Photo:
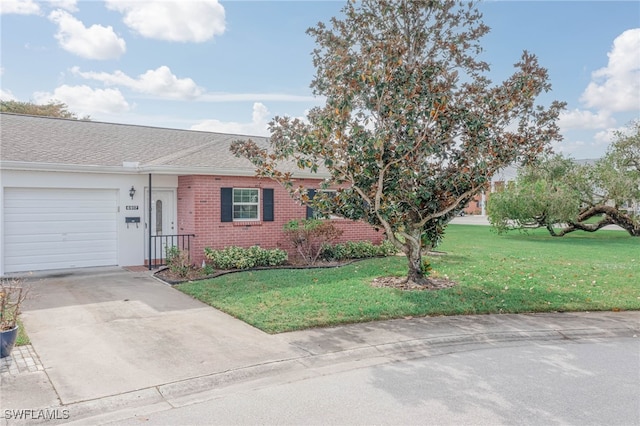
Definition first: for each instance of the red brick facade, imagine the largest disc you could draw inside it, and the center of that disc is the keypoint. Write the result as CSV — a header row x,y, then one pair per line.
x,y
199,213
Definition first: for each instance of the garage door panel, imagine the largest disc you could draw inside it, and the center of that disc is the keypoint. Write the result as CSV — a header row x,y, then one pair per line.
x,y
18,217
67,247
43,264
52,257
60,194
16,240
60,205
59,228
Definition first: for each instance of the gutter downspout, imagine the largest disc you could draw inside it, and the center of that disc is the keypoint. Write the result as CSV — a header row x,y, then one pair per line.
x,y
149,222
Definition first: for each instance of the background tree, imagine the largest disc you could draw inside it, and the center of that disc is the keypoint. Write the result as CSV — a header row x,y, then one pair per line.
x,y
562,196
412,128
52,109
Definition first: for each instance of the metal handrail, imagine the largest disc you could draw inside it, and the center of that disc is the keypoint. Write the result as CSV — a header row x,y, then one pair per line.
x,y
182,241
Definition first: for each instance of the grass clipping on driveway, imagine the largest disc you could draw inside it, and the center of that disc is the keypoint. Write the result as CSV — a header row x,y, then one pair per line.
x,y
495,274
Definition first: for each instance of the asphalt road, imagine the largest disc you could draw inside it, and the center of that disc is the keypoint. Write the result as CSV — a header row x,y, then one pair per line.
x,y
587,382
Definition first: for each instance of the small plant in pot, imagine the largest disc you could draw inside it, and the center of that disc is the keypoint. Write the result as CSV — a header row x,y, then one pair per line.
x,y
12,294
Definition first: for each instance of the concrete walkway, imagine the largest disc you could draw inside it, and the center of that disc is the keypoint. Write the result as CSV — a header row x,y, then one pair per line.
x,y
114,343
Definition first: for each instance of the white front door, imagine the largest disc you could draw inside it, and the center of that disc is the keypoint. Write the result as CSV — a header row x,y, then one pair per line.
x,y
162,221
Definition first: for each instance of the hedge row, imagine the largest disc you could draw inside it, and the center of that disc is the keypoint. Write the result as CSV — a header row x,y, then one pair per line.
x,y
356,250
241,258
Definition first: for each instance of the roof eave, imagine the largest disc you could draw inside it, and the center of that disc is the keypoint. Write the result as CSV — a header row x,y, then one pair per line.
x,y
214,171
164,170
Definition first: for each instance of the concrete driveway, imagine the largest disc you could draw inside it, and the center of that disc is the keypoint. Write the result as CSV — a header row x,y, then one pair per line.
x,y
110,344
107,331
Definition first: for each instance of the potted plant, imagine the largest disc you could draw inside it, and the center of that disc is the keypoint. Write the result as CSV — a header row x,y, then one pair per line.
x,y
12,294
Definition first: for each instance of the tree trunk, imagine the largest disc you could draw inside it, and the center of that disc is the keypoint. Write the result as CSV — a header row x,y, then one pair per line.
x,y
613,216
413,251
415,268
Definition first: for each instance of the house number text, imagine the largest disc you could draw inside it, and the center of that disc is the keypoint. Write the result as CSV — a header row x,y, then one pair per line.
x,y
131,207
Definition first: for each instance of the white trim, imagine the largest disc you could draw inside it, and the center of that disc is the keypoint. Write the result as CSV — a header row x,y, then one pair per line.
x,y
257,204
163,170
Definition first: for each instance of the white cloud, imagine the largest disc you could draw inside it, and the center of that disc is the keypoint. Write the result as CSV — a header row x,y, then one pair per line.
x,y
616,87
257,126
84,100
69,5
590,145
159,82
6,95
19,7
95,42
582,119
184,21
275,97
607,136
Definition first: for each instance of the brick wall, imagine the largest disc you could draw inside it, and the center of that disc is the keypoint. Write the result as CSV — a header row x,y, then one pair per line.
x,y
199,213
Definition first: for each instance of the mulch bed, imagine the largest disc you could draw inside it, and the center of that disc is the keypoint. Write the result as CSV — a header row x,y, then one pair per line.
x,y
399,283
196,273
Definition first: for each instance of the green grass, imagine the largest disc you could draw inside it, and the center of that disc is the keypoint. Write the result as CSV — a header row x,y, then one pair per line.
x,y
495,274
22,338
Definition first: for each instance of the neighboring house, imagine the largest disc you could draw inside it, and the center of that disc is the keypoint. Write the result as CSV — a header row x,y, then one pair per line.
x,y
478,205
77,194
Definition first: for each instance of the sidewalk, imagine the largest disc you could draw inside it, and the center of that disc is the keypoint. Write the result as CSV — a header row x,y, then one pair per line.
x,y
311,353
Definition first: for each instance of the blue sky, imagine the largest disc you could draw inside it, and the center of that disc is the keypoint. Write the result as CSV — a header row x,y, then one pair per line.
x,y
231,66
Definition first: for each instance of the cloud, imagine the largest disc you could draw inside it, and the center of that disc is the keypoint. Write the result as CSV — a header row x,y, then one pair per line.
x,y
84,100
607,136
242,97
616,87
95,42
69,5
159,82
163,83
6,95
19,7
257,126
183,21
582,119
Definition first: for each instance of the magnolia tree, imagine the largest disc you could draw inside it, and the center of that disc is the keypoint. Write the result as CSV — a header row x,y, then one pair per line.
x,y
52,109
412,128
563,196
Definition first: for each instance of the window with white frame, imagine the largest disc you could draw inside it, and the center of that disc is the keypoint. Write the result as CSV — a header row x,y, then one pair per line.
x,y
246,202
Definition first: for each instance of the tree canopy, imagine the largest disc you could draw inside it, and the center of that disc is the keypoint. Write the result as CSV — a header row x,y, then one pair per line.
x,y
412,127
51,109
563,196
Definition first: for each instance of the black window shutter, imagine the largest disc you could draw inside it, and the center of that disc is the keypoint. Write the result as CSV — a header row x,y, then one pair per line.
x,y
267,205
311,193
226,204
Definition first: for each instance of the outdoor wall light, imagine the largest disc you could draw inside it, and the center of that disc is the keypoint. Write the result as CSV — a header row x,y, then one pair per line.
x,y
132,192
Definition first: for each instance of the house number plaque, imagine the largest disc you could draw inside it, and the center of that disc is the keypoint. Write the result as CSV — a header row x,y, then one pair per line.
x,y
131,207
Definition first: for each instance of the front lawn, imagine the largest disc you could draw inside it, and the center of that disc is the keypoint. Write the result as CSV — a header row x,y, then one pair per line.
x,y
495,274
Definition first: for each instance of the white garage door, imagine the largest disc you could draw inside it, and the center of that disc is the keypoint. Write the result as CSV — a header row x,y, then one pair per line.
x,y
59,228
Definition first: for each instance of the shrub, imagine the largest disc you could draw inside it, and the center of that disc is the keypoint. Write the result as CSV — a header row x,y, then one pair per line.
x,y
208,269
357,250
309,236
241,258
387,249
12,295
178,261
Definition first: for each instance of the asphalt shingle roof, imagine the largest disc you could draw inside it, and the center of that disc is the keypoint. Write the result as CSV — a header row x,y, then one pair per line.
x,y
45,140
